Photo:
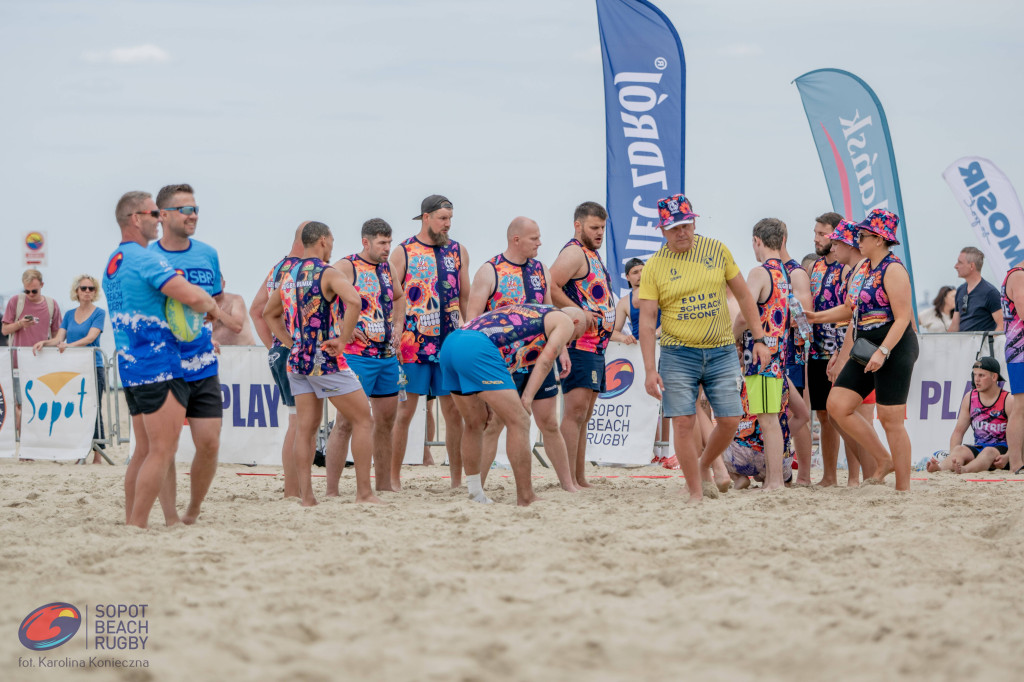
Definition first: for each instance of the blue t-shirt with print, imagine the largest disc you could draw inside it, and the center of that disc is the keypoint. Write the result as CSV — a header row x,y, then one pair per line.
x,y
77,332
147,351
200,266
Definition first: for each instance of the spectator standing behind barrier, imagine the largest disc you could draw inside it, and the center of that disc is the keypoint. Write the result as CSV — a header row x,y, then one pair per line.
x,y
1012,300
880,297
138,282
82,327
686,280
977,302
277,356
937,318
28,319
234,309
433,270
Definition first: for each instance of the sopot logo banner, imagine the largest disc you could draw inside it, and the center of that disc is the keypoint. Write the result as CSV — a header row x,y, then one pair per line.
x,y
7,443
645,119
58,402
855,150
622,425
992,208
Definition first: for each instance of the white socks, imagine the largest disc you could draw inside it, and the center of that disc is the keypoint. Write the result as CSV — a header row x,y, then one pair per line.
x,y
476,491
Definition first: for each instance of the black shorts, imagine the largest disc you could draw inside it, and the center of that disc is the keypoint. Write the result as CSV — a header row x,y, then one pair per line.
x,y
587,371
1002,449
204,399
818,383
891,383
148,398
548,388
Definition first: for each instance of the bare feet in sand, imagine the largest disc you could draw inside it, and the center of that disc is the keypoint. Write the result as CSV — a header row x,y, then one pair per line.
x,y
932,466
881,472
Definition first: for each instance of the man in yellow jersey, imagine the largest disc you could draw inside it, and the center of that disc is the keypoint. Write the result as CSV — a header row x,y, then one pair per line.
x,y
686,280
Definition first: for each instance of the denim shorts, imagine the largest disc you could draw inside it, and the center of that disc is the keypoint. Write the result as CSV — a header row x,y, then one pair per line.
x,y
683,370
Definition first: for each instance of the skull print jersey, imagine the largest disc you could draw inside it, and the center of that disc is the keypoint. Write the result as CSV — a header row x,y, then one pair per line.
x,y
517,283
373,282
311,319
517,331
432,298
775,322
827,292
593,293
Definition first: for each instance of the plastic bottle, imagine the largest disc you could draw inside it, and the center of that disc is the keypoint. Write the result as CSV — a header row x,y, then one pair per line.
x,y
403,381
797,311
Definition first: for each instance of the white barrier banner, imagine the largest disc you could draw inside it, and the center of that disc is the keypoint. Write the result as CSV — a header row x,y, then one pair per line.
x,y
621,428
942,375
58,403
992,207
7,441
255,419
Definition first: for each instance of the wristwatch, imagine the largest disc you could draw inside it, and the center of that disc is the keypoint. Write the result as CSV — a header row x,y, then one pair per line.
x,y
761,340
885,351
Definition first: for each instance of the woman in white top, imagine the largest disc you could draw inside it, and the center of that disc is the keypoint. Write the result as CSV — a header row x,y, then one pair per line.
x,y
937,318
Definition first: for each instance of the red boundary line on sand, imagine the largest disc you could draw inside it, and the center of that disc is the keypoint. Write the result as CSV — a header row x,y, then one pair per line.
x,y
662,477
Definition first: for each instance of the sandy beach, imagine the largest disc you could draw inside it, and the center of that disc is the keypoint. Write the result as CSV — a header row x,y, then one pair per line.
x,y
619,582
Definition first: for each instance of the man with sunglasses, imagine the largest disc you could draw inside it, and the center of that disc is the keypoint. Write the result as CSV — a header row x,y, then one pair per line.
x,y
28,319
199,264
978,305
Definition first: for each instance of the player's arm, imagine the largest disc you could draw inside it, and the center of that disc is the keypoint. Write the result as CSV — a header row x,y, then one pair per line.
x,y
334,282
273,317
558,328
259,304
621,313
963,420
548,287
748,308
997,315
189,294
840,313
801,284
348,273
484,282
756,282
570,263
464,285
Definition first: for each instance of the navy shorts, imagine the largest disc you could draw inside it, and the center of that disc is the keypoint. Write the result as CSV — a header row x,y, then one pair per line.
x,y
548,389
587,371
277,358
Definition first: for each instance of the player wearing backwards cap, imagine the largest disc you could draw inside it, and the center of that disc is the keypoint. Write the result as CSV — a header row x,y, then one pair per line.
x,y
433,271
199,264
687,280
515,276
478,362
581,281
277,356
305,317
1012,298
137,283
769,286
371,353
986,409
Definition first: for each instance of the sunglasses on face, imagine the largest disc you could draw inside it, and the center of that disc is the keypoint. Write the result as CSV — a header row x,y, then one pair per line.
x,y
32,292
153,214
86,288
184,210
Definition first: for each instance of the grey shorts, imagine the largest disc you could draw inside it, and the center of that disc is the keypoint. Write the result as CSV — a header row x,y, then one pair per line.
x,y
325,385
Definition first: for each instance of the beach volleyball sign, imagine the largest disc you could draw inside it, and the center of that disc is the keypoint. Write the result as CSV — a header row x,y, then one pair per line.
x,y
58,403
34,251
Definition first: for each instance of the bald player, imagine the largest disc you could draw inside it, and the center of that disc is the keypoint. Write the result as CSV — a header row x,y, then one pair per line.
x,y
516,277
277,355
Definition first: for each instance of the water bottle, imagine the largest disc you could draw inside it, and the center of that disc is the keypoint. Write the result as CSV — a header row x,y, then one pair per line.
x,y
797,311
403,381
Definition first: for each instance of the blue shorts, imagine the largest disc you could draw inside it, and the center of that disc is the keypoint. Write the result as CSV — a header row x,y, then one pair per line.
x,y
683,370
379,376
1015,373
548,389
424,378
470,363
796,375
587,371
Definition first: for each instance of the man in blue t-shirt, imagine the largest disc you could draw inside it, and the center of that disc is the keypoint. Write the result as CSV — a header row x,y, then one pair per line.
x,y
137,283
978,304
199,264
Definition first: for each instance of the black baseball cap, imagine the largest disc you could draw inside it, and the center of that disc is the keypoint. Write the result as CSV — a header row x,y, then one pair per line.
x,y
989,364
435,202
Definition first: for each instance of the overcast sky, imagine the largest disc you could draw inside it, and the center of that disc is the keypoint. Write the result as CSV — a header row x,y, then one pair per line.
x,y
341,111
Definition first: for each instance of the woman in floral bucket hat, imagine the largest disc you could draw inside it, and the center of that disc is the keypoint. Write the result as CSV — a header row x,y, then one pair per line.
x,y
880,299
